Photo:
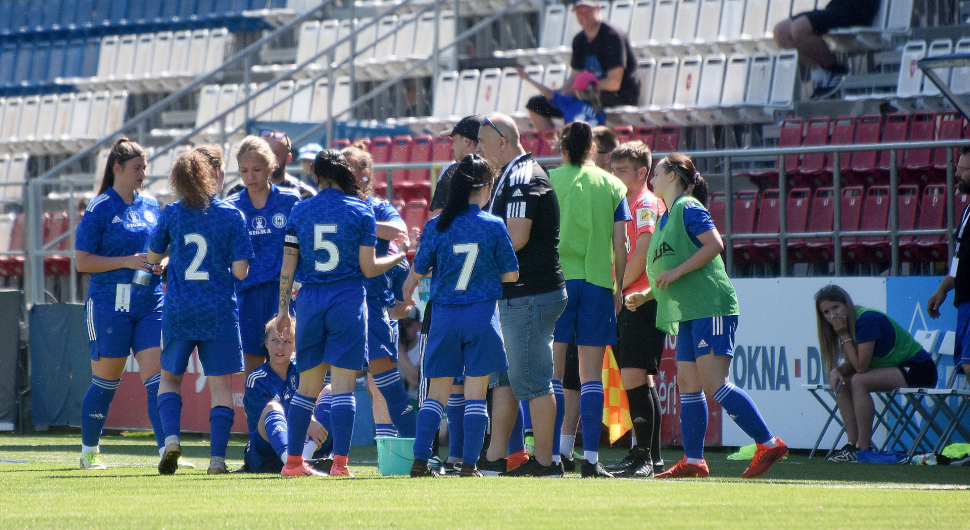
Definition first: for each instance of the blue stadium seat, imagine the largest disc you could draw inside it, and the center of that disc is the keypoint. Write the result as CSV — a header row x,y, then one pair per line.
x,y
51,17
68,14
55,65
73,58
19,18
187,10
92,50
118,12
136,11
8,57
38,63
21,69
6,17
170,11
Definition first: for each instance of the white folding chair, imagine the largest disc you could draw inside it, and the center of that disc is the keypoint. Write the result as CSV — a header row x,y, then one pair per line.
x,y
910,76
784,80
445,92
508,96
949,404
688,81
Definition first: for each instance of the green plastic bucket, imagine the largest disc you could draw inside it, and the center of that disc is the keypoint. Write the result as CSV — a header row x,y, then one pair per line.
x,y
395,455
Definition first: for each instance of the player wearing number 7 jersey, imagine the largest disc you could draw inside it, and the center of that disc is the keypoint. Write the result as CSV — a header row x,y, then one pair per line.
x,y
330,247
471,254
208,245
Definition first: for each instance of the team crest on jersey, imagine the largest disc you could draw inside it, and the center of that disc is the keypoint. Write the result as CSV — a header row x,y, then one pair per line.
x,y
259,226
134,220
133,216
279,220
149,216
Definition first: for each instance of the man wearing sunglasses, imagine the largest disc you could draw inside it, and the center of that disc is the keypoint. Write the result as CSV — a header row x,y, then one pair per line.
x,y
524,198
282,147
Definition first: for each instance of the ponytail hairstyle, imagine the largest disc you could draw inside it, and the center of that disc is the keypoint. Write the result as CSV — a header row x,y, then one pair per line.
x,y
360,158
121,152
591,96
472,172
193,180
691,181
577,140
213,155
828,339
331,166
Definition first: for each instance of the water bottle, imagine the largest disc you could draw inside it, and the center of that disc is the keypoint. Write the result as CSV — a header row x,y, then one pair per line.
x,y
928,459
142,277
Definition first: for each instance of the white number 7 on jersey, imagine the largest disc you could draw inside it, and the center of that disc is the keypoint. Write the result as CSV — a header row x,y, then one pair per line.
x,y
471,254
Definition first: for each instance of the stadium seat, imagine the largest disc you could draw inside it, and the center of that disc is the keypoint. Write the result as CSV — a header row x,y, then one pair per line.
x,y
549,144
960,76
663,22
508,96
646,72
553,26
621,16
13,266
910,82
685,23
796,220
624,133
421,150
488,91
340,143
441,152
555,76
717,209
864,163
872,249
951,128
380,151
688,80
526,90
744,219
737,71
896,130
28,119
907,210
445,94
55,226
647,135
758,92
813,164
400,154
302,101
916,164
665,83
932,216
732,20
708,21
4,171
531,141
938,47
7,221
817,249
843,133
853,199
784,79
16,178
667,140
765,250
467,93
415,214
643,11
791,136
711,81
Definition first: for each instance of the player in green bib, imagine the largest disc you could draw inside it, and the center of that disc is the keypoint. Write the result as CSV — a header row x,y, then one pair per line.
x,y
696,302
876,354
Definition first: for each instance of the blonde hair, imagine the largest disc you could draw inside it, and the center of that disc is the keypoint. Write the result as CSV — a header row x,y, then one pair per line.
x,y
828,339
358,156
258,146
270,327
193,180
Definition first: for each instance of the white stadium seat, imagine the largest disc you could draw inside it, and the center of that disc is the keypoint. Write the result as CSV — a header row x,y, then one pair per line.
x,y
643,14
709,20
910,76
489,85
467,93
737,73
108,57
662,23
755,19
555,76
759,80
282,107
125,62
444,95
960,78
526,90
621,15
508,96
302,102
685,23
646,72
732,21
938,47
665,84
28,118
712,81
784,79
688,80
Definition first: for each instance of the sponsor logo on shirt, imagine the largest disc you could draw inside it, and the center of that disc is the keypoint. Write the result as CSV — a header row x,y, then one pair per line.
x,y
116,220
646,217
663,250
516,193
134,220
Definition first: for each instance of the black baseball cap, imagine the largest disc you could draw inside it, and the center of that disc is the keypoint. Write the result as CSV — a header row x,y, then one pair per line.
x,y
468,127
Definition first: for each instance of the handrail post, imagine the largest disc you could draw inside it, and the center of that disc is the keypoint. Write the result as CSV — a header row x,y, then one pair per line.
x,y
837,224
893,214
728,216
783,225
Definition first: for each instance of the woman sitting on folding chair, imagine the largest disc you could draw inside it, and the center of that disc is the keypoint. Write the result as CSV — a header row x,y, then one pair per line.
x,y
865,351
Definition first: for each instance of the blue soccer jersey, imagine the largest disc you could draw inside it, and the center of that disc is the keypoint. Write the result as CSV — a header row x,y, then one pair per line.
x,y
468,259
329,229
200,303
112,228
267,228
395,282
263,386
383,212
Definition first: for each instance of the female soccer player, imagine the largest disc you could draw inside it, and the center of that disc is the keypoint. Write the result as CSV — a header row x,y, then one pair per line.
x,y
592,230
207,244
269,389
876,354
471,254
266,207
330,242
696,302
122,316
381,328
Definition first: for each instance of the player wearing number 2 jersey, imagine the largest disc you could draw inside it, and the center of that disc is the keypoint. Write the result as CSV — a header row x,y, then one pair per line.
x,y
207,244
330,247
471,254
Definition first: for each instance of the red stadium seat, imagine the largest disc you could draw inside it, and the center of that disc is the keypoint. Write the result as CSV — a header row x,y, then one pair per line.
x,y
766,250
869,249
401,154
932,215
896,131
791,136
813,164
646,135
624,133
908,208
951,128
717,210
421,152
380,150
668,139
864,163
415,214
14,265
843,133
441,152
818,249
531,141
796,220
743,222
917,164
55,226
340,143
549,146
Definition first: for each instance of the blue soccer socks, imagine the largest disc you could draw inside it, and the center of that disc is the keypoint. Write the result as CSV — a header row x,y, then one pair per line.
x,y
456,426
342,413
693,423
94,409
398,402
429,418
591,414
170,412
297,422
744,412
476,420
151,389
276,432
220,425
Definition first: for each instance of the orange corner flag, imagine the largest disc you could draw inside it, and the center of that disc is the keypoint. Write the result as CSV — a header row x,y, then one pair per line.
x,y
616,407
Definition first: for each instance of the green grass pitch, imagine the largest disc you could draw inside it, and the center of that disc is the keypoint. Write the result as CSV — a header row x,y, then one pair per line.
x,y
42,486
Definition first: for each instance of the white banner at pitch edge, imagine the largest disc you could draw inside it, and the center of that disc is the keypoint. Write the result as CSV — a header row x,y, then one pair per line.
x,y
776,352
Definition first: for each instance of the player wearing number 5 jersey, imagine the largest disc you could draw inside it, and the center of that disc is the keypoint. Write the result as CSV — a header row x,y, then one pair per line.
x,y
208,245
330,247
471,254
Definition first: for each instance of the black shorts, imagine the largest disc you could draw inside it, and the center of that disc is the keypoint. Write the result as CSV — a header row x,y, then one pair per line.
x,y
639,344
842,14
919,374
570,380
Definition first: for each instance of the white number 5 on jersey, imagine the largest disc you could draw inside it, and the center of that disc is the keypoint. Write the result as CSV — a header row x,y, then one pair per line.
x,y
319,243
470,250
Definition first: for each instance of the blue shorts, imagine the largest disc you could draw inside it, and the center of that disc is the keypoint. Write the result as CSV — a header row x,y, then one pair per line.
x,y
465,340
381,333
218,357
260,457
333,325
115,334
257,306
699,337
589,318
961,348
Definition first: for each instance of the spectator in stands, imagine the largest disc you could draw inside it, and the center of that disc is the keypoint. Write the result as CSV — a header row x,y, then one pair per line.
x,y
865,351
281,146
604,139
696,302
606,53
266,208
958,277
524,198
804,31
583,105
639,344
122,316
594,212
306,155
384,300
208,245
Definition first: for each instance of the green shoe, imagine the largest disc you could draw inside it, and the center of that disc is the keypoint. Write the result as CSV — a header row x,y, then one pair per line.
x,y
530,444
188,464
92,461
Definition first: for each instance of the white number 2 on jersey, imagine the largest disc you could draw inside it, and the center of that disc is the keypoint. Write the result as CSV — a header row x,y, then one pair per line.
x,y
201,248
319,243
470,250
